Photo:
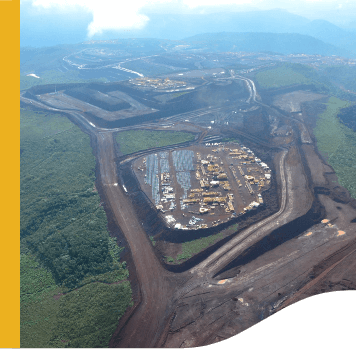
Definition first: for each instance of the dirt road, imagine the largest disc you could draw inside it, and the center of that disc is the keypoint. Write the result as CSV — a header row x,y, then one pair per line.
x,y
248,237
152,277
200,305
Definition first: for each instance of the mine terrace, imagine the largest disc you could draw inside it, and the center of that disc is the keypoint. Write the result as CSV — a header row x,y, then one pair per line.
x,y
230,223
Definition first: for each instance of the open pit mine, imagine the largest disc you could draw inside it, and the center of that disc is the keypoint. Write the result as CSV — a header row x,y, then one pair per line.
x,y
223,230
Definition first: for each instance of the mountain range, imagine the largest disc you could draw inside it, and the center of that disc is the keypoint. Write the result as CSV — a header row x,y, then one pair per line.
x,y
178,26
181,26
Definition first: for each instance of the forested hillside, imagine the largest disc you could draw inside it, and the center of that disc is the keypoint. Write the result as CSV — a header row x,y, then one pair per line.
x,y
67,255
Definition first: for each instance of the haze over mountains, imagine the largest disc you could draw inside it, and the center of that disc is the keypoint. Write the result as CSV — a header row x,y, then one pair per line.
x,y
316,36
273,21
266,42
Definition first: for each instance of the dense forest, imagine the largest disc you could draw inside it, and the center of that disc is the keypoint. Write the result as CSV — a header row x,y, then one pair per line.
x,y
65,245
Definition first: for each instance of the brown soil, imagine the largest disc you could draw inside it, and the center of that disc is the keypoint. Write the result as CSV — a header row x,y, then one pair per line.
x,y
280,259
241,195
291,102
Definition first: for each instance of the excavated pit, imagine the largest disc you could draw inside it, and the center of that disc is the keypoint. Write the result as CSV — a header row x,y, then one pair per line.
x,y
154,224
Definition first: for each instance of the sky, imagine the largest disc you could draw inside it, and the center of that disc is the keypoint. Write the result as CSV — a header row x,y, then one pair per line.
x,y
79,19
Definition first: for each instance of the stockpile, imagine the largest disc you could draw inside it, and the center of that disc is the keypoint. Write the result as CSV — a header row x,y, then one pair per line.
x,y
183,178
183,160
164,164
152,176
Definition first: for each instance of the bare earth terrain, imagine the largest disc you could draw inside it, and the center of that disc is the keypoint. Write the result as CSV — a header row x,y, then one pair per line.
x,y
305,247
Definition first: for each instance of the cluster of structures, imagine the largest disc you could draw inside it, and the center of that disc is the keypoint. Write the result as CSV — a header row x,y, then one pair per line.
x,y
157,83
205,185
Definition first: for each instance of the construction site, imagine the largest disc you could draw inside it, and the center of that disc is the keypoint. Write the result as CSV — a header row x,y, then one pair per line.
x,y
243,242
160,84
204,185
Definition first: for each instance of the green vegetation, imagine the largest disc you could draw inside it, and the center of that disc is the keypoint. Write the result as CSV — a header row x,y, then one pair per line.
x,y
343,75
339,143
88,317
288,74
136,140
85,317
62,220
65,246
230,139
191,248
165,97
34,279
153,240
233,227
53,77
38,307
281,76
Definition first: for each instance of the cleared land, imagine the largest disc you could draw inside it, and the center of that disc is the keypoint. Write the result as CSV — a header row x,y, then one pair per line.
x,y
54,77
148,68
261,266
63,101
203,186
136,140
291,102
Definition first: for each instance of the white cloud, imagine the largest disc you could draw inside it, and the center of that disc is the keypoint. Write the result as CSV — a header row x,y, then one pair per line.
x,y
129,14
198,3
107,14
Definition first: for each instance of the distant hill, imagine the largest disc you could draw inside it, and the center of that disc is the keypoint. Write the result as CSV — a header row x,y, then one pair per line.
x,y
329,33
265,42
56,30
179,26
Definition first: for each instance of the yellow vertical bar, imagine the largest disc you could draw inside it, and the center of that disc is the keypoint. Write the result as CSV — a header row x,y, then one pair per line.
x,y
10,174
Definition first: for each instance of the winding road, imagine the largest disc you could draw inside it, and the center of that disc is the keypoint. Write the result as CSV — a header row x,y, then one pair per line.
x,y
159,290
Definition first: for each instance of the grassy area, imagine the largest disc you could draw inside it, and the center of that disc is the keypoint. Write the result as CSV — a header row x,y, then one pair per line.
x,y
281,76
233,227
170,259
53,77
169,96
65,246
230,139
191,248
136,140
339,143
291,74
343,75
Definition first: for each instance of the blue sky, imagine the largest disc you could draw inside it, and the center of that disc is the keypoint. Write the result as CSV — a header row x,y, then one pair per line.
x,y
47,22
